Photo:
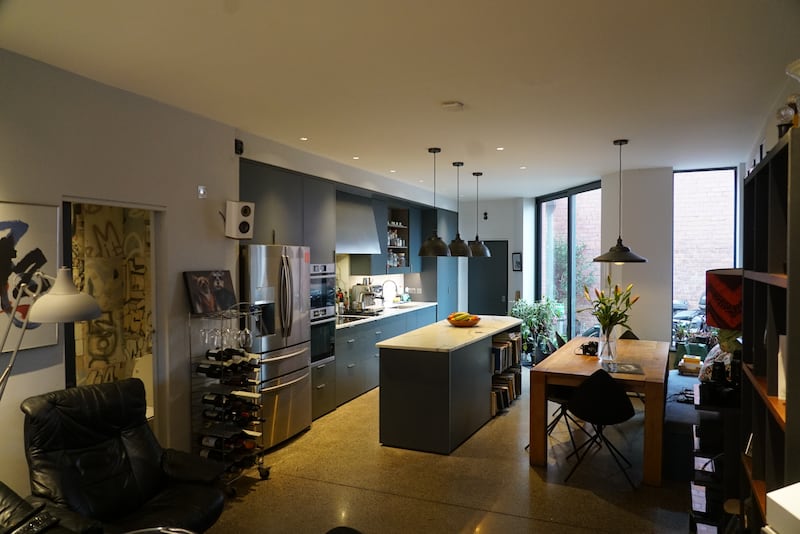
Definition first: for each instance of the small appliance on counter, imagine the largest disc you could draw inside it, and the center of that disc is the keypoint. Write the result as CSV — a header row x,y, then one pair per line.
x,y
361,297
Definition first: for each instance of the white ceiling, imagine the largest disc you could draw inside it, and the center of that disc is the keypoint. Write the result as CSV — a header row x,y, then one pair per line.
x,y
690,82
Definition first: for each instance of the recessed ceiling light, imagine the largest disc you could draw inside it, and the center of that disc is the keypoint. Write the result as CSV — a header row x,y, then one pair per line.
x,y
500,149
452,105
522,167
421,181
304,138
356,157
392,170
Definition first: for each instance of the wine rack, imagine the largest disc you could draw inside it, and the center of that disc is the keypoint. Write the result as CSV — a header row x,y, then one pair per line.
x,y
226,402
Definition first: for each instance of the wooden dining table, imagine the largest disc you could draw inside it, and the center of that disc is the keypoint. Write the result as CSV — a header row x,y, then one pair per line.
x,y
566,367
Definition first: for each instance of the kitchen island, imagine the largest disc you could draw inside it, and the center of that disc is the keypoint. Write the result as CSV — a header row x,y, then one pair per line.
x,y
436,383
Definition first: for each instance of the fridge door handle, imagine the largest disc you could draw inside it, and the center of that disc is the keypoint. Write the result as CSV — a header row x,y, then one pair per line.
x,y
284,357
286,385
285,297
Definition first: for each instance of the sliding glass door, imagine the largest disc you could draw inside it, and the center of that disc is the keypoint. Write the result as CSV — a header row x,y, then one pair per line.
x,y
567,241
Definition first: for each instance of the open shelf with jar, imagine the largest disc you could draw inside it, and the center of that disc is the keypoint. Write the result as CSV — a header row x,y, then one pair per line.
x,y
397,239
771,326
226,403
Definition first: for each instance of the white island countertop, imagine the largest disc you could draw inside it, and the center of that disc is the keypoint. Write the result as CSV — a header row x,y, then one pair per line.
x,y
444,337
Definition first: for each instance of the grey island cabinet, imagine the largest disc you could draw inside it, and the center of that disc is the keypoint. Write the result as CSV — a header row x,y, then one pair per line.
x,y
436,384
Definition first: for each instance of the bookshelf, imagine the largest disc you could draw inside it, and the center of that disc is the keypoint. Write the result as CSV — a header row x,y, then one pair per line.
x,y
770,315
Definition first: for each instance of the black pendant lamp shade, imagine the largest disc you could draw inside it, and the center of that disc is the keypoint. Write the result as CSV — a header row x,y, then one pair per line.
x,y
434,245
619,253
459,247
478,247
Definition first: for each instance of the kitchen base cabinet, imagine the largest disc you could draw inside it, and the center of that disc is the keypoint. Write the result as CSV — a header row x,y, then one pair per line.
x,y
436,384
351,351
323,387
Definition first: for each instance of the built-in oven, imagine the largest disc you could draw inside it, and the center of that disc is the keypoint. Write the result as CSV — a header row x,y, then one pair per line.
x,y
323,339
323,291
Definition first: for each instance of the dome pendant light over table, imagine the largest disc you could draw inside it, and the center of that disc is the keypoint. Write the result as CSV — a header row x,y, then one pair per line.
x,y
619,253
434,246
478,247
459,247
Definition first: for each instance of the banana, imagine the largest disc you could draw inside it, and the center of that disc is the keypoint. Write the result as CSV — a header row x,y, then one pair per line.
x,y
461,316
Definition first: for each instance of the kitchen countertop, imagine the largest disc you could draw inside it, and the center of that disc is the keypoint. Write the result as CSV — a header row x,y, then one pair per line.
x,y
389,311
444,337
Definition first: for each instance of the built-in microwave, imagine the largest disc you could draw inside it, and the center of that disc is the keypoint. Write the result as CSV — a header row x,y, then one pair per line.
x,y
323,291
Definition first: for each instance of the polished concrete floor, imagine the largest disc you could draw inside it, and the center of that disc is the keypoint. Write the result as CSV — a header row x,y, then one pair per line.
x,y
338,474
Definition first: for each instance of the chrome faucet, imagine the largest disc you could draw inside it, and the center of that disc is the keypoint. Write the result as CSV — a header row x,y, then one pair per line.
x,y
383,289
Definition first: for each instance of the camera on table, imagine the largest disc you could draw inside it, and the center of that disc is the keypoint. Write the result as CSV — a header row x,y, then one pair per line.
x,y
589,348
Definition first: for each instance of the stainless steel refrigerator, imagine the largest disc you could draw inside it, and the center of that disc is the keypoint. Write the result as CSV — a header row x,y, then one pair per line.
x,y
275,282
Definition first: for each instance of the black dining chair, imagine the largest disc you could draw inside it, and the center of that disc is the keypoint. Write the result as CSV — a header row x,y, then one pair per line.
x,y
561,395
601,401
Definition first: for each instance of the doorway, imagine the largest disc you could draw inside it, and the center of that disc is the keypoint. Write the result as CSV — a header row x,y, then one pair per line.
x,y
488,281
110,251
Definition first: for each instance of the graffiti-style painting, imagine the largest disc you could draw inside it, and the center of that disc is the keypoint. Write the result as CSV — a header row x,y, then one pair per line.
x,y
111,258
28,243
209,291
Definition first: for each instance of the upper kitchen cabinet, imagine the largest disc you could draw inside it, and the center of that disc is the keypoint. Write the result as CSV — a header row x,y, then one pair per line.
x,y
440,274
291,208
319,219
278,197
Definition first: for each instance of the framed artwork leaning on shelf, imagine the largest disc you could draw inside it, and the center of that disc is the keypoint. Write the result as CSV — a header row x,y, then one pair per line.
x,y
209,291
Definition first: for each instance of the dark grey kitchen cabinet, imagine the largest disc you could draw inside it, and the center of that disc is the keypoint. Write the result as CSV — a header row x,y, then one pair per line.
x,y
420,318
380,330
323,387
278,197
351,350
439,275
319,219
414,239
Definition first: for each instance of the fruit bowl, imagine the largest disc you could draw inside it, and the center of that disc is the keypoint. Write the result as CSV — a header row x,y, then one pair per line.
x,y
469,320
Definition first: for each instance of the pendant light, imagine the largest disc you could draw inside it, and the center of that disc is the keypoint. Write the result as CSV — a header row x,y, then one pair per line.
x,y
478,247
434,246
459,247
619,253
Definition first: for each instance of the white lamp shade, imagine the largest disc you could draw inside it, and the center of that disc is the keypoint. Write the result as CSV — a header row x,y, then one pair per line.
x,y
64,303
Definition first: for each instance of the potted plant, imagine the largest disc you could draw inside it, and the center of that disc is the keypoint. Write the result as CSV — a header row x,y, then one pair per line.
x,y
611,308
538,325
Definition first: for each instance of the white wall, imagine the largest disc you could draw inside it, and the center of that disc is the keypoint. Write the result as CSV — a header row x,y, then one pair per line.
x,y
647,230
507,220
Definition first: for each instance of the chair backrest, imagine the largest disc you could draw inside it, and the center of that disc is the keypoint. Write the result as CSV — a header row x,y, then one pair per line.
x,y
628,334
601,400
90,448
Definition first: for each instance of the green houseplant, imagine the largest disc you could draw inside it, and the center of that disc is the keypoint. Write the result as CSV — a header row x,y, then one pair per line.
x,y
538,324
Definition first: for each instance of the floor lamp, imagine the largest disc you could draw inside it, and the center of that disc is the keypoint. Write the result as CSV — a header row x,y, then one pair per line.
x,y
63,303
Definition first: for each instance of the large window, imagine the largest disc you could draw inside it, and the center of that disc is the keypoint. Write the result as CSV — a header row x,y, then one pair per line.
x,y
568,240
704,237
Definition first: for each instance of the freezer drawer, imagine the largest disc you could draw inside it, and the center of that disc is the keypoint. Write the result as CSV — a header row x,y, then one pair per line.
x,y
285,407
278,363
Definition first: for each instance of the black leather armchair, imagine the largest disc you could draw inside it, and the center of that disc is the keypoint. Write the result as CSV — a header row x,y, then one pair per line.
x,y
91,450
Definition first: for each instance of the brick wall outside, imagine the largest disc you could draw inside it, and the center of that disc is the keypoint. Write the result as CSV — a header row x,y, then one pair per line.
x,y
703,231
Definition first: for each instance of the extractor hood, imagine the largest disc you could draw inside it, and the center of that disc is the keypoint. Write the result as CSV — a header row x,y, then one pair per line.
x,y
356,230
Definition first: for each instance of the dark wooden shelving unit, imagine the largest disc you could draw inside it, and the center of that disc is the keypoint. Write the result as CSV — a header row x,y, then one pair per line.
x,y
770,311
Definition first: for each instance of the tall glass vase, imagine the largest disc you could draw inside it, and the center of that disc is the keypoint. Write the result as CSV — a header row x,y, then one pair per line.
x,y
607,349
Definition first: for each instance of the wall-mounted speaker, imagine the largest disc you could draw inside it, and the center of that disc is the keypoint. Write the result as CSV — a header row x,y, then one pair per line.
x,y
239,219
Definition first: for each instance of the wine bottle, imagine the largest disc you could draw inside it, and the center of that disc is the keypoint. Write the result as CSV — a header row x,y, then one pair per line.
x,y
216,442
216,399
211,371
218,355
